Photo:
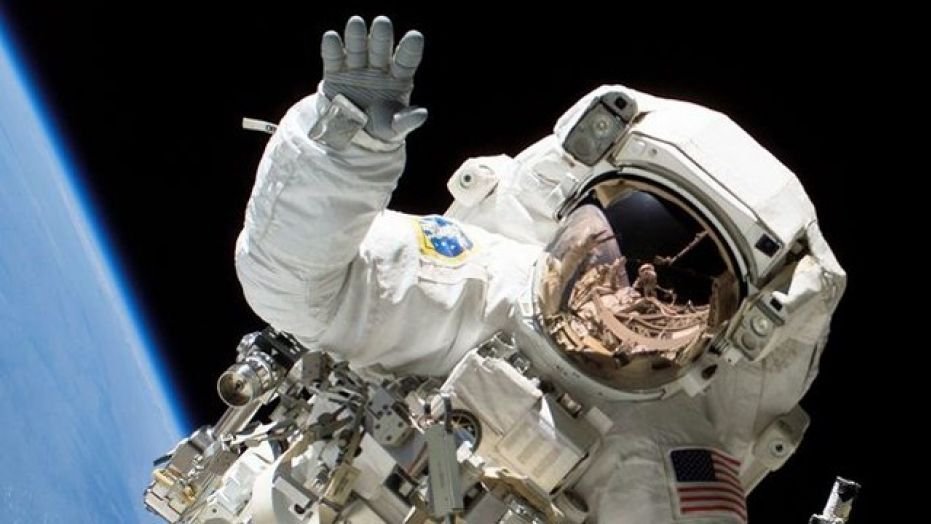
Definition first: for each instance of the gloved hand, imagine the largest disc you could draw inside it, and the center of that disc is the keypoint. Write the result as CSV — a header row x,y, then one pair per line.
x,y
364,71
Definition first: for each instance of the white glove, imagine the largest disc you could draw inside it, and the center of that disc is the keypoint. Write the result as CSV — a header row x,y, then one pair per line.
x,y
364,71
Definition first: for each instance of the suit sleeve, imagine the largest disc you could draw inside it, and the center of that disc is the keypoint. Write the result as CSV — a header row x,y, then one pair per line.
x,y
309,211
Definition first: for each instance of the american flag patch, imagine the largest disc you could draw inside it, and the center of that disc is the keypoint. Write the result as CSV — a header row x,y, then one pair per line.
x,y
707,483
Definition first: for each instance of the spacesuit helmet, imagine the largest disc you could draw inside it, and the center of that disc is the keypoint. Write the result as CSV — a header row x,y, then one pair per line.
x,y
634,286
681,246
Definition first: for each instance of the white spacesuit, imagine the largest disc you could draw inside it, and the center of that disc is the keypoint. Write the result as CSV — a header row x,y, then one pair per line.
x,y
696,366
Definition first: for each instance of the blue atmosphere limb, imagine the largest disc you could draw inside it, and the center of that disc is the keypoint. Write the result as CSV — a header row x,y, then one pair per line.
x,y
85,403
99,235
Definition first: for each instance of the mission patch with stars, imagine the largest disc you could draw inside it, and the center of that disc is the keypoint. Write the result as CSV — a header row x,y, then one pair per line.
x,y
442,239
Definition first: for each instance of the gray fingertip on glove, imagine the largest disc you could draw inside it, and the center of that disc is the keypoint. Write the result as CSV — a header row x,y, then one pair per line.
x,y
360,66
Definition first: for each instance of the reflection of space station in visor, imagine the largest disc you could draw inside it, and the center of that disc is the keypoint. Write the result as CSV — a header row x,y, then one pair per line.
x,y
660,273
630,306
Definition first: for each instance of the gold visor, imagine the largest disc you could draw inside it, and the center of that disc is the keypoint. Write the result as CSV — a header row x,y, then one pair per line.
x,y
631,292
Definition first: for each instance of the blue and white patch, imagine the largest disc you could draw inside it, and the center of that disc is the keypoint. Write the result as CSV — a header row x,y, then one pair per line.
x,y
442,239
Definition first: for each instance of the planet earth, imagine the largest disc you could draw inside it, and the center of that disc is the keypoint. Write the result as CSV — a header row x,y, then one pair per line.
x,y
84,404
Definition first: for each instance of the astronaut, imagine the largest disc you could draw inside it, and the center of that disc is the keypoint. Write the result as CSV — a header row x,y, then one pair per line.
x,y
649,258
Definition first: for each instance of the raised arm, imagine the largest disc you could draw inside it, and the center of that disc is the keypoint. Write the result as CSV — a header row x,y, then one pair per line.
x,y
325,175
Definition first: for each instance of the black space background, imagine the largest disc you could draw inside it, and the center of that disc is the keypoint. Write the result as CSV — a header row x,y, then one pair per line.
x,y
150,102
